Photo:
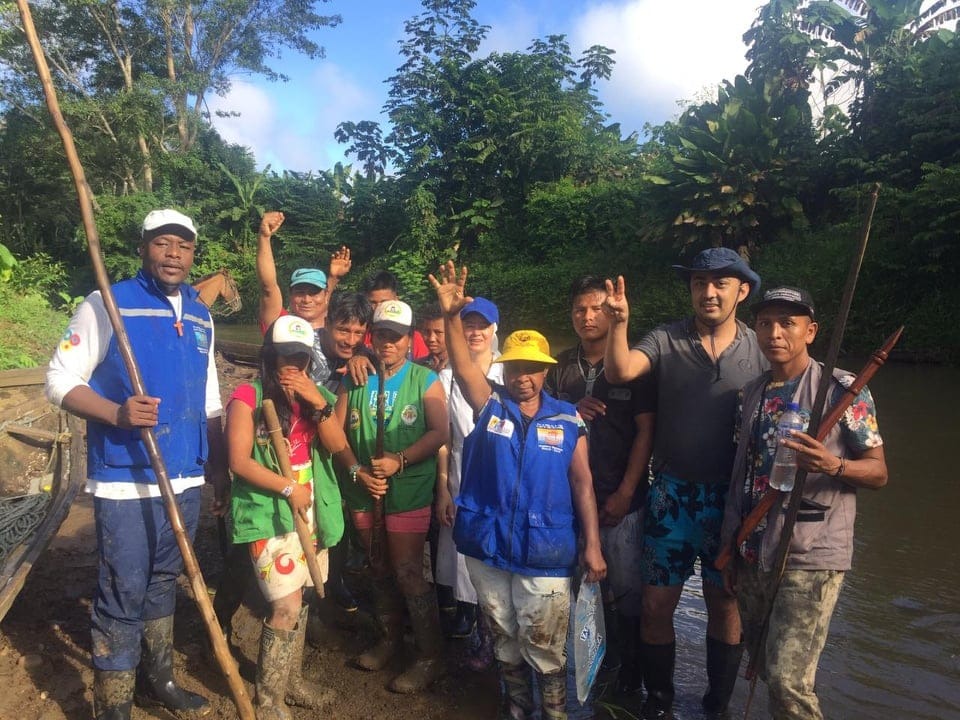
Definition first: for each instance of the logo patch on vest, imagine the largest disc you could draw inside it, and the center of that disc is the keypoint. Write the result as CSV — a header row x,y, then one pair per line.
x,y
354,419
203,340
619,394
409,415
550,438
500,426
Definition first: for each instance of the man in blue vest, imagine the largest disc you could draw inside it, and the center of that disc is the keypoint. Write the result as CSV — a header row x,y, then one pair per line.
x,y
171,335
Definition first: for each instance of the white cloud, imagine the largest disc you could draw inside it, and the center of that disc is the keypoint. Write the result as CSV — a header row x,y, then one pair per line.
x,y
290,125
665,52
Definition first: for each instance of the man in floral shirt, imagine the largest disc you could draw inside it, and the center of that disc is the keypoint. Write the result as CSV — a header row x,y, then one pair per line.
x,y
821,548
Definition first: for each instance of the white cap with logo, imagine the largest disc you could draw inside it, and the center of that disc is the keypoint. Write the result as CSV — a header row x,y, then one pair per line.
x,y
394,315
167,218
291,335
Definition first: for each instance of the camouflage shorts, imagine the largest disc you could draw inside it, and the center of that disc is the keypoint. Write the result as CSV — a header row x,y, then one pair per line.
x,y
682,523
798,631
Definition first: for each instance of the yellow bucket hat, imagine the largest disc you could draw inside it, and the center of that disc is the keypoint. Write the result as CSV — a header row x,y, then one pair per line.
x,y
526,345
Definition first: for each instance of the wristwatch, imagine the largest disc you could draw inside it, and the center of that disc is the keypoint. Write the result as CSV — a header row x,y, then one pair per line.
x,y
288,490
323,414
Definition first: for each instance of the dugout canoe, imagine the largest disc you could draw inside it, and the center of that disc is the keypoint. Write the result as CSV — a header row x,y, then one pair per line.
x,y
32,509
243,353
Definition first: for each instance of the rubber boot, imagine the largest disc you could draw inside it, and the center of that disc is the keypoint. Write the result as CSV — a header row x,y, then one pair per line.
x,y
155,684
464,621
113,694
630,678
386,600
231,588
335,586
723,664
273,670
553,695
612,658
300,691
429,665
658,662
517,691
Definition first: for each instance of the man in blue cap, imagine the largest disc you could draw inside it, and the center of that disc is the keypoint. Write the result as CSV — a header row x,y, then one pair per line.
x,y
700,363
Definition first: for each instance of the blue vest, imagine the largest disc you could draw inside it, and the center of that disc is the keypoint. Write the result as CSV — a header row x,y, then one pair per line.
x,y
174,368
515,508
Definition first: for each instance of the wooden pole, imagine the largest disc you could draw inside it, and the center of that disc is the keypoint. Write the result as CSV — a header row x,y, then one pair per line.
x,y
283,457
227,664
377,539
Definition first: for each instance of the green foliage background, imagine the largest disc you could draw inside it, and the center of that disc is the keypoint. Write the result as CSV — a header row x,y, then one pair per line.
x,y
507,163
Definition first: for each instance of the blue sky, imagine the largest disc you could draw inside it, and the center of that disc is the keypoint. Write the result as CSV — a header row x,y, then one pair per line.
x,y
666,51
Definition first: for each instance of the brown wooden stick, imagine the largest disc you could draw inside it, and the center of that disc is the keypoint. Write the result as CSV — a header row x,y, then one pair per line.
x,y
227,664
772,496
303,530
378,531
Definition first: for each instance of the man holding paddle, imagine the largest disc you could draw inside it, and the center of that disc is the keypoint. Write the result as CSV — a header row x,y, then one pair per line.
x,y
821,546
171,336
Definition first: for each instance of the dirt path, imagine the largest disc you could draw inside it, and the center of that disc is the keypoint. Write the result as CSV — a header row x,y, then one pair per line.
x,y
45,642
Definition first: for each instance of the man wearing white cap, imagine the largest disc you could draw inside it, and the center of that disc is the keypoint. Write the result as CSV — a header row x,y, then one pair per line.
x,y
171,335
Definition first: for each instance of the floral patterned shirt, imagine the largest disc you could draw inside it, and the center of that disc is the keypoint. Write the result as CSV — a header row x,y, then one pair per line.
x,y
858,428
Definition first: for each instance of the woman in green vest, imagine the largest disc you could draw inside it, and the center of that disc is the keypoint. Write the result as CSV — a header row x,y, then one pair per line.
x,y
263,500
415,426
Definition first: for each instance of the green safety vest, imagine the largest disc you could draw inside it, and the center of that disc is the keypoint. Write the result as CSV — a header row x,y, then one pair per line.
x,y
413,488
259,514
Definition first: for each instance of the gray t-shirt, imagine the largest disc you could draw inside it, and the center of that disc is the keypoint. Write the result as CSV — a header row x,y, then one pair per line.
x,y
697,399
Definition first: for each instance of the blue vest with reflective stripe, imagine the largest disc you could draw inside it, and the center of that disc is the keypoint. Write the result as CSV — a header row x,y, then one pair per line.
x,y
174,368
515,508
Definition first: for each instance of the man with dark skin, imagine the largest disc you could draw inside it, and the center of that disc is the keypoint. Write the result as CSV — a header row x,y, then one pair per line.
x,y
699,364
171,335
850,458
620,419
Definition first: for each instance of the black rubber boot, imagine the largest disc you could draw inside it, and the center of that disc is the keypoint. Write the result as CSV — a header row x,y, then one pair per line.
x,y
155,684
613,657
553,695
658,662
723,665
273,671
335,586
113,694
517,691
386,602
630,678
464,621
231,587
429,665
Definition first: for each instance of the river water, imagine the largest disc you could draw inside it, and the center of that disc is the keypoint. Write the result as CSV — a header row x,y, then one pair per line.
x,y
894,645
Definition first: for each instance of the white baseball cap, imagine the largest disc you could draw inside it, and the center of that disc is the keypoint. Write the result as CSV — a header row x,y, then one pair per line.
x,y
394,315
167,219
291,335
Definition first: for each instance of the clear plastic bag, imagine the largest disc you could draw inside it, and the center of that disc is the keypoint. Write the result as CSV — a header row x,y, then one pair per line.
x,y
589,638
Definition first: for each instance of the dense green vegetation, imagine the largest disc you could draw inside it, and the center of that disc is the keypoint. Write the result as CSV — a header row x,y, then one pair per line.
x,y
506,162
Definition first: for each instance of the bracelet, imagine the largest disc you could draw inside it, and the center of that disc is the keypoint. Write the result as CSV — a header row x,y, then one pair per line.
x,y
403,462
288,490
323,414
840,470
353,471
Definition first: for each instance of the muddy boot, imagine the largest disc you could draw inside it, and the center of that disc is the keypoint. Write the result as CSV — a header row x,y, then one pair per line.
x,y
113,694
155,684
630,678
612,658
518,692
273,670
658,662
231,588
387,605
553,695
429,666
723,664
300,691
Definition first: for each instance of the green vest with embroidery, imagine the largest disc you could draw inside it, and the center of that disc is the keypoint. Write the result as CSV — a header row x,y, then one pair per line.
x,y
259,514
413,488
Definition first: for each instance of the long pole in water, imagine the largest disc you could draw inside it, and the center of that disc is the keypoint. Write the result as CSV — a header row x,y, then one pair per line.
x,y
796,495
227,664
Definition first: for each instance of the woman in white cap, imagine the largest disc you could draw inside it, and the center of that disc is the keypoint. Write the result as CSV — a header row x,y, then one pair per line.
x,y
263,501
415,426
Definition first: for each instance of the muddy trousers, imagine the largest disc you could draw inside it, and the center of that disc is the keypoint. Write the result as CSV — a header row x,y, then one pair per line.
x,y
139,563
799,623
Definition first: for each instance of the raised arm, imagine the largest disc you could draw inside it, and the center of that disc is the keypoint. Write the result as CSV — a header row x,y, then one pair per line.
x,y
469,375
340,264
620,363
271,299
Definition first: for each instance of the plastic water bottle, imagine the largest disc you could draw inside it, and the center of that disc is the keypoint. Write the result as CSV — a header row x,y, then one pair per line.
x,y
785,460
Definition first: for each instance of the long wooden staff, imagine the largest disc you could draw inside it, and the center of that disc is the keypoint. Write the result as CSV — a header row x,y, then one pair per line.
x,y
283,457
227,664
772,496
796,495
379,524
